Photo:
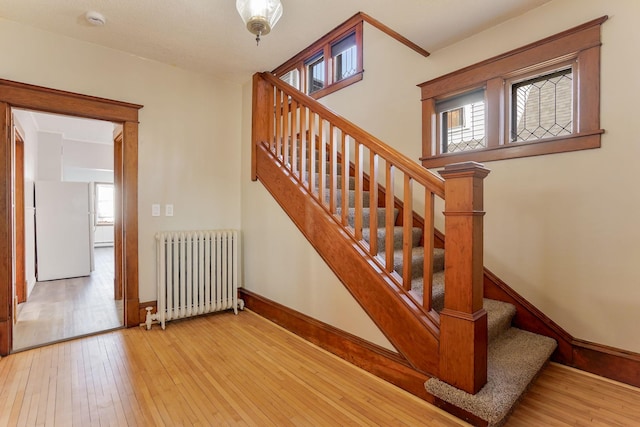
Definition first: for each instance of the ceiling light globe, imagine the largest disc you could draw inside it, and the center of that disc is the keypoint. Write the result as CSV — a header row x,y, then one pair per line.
x,y
260,16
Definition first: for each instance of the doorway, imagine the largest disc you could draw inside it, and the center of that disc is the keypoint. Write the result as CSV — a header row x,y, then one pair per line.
x,y
65,284
24,96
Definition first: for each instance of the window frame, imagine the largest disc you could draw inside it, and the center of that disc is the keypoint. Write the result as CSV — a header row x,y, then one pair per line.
x,y
323,48
96,185
579,46
533,75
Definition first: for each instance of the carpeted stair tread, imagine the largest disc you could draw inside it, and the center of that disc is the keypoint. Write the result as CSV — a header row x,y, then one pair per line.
x,y
499,317
351,196
416,235
514,359
437,290
352,181
417,260
365,216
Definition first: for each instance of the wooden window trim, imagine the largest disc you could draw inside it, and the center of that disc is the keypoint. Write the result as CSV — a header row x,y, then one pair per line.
x,y
323,47
580,44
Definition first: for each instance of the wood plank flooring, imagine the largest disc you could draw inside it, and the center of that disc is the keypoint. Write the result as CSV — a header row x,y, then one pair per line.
x,y
227,370
62,309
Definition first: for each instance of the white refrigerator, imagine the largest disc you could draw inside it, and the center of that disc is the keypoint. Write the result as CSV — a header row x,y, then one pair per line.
x,y
63,230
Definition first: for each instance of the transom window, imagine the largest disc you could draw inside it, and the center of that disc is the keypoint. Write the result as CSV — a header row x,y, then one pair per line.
x,y
539,99
330,64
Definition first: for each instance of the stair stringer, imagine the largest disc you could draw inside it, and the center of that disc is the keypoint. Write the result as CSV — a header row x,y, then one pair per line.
x,y
399,318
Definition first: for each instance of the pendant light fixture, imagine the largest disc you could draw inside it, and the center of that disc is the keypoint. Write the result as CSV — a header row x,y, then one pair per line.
x,y
260,16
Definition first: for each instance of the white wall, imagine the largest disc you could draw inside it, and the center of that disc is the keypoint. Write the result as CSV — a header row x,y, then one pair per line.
x,y
560,229
189,134
89,155
49,157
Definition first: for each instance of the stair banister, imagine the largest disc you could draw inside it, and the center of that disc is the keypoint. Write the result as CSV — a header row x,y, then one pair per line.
x,y
284,118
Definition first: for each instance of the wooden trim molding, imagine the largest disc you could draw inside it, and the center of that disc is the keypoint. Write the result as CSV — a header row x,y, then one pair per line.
x,y
377,360
393,34
15,94
6,227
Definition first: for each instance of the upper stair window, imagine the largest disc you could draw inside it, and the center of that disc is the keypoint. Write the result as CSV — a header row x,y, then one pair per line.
x,y
331,63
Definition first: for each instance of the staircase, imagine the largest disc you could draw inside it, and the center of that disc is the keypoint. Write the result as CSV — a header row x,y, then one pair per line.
x,y
339,185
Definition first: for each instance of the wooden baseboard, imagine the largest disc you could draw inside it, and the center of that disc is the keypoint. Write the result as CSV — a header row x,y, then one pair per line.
x,y
598,359
377,360
608,362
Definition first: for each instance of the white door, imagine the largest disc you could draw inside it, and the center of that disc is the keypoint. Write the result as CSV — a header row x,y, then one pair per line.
x,y
63,247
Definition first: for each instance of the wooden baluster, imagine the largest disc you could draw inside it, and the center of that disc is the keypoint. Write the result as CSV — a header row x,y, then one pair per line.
x,y
322,159
285,130
294,137
272,113
302,167
345,179
427,236
373,203
463,321
407,232
278,147
333,174
389,220
313,151
358,191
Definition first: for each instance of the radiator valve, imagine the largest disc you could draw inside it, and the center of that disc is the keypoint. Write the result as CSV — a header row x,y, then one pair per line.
x,y
150,317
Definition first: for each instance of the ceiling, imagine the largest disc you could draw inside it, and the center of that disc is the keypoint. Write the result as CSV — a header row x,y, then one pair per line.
x,y
208,36
71,128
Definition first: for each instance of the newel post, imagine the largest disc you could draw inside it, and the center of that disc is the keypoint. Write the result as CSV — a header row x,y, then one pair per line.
x,y
463,321
262,105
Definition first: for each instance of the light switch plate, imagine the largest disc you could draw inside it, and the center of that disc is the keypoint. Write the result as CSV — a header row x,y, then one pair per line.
x,y
155,210
168,210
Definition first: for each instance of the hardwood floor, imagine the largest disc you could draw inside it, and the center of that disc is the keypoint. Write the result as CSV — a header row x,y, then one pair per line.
x,y
67,308
564,396
244,370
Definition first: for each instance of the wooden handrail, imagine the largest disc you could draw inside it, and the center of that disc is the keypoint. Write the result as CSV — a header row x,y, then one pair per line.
x,y
421,175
